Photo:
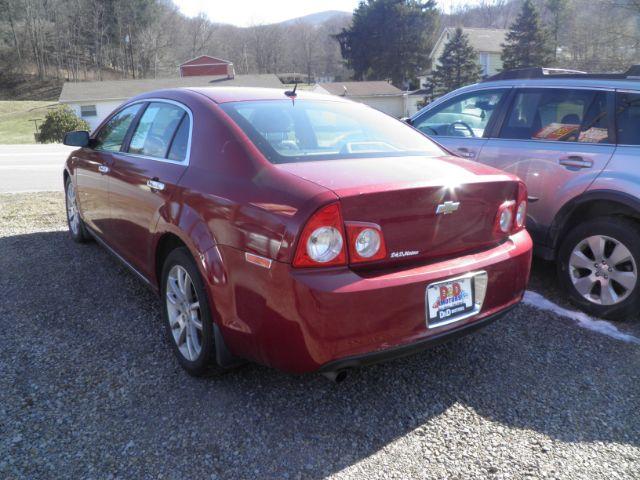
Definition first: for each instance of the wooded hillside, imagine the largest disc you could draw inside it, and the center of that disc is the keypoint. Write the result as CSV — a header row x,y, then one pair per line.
x,y
106,39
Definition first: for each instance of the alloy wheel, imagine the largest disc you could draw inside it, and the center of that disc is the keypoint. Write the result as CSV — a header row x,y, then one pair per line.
x,y
72,209
603,270
183,308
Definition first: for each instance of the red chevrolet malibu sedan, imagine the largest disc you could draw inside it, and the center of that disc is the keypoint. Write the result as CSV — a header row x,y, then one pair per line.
x,y
300,231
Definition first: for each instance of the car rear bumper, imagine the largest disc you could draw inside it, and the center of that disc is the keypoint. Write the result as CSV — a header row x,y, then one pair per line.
x,y
302,320
406,350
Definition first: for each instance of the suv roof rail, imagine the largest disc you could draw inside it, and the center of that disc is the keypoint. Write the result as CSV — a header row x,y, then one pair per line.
x,y
633,73
532,72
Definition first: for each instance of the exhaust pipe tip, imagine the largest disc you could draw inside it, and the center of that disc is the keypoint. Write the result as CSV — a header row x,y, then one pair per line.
x,y
336,376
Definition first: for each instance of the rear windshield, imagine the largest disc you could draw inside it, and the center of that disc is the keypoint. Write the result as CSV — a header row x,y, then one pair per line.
x,y
306,130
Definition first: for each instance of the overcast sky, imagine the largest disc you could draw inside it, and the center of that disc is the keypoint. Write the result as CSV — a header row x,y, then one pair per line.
x,y
249,12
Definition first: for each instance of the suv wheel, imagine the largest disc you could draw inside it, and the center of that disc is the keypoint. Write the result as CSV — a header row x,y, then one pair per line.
x,y
598,267
186,312
76,226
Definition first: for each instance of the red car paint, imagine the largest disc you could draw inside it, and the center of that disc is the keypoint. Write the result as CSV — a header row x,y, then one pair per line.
x,y
241,217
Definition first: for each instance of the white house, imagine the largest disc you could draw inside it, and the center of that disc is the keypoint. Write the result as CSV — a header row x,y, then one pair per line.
x,y
486,41
380,95
93,101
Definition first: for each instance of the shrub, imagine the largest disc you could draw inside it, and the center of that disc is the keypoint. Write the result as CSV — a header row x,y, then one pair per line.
x,y
57,122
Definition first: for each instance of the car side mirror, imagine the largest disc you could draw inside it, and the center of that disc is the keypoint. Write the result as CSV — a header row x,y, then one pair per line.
x,y
79,138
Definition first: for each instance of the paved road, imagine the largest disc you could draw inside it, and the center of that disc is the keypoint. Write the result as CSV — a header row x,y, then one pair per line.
x,y
32,168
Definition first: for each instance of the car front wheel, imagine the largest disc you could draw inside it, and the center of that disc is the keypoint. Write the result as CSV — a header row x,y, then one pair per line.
x,y
187,315
76,226
598,266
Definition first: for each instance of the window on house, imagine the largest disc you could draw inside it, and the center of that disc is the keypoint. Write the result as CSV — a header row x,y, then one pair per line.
x,y
88,111
484,64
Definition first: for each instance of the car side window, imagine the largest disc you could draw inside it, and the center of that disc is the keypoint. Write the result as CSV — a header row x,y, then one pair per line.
x,y
464,116
628,118
111,135
558,114
156,129
180,143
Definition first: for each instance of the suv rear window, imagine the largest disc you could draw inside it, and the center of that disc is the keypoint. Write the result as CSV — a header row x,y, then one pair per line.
x,y
558,114
307,130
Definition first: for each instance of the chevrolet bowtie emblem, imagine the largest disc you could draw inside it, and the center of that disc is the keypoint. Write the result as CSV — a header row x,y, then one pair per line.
x,y
447,207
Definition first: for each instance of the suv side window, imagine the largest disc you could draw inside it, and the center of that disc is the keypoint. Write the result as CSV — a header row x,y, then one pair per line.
x,y
111,135
156,129
558,114
628,118
466,115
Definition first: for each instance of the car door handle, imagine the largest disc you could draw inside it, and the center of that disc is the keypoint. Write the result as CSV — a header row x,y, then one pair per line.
x,y
103,169
155,185
575,161
466,153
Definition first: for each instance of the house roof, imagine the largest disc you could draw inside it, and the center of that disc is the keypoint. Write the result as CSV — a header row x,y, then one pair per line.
x,y
486,40
75,92
204,60
360,89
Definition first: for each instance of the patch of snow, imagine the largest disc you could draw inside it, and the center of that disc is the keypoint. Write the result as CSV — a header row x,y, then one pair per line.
x,y
585,321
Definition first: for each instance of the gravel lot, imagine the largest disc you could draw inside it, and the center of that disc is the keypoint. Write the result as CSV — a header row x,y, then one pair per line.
x,y
88,389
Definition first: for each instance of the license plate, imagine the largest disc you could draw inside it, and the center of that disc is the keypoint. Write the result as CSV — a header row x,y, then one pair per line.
x,y
449,300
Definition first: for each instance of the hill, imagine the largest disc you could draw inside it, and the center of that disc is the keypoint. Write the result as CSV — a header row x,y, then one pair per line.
x,y
318,18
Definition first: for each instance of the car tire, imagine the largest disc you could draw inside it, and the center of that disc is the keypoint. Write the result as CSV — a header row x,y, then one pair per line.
x,y
598,264
77,228
189,330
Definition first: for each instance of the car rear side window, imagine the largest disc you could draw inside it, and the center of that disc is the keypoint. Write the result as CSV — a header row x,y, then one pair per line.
x,y
156,129
111,135
180,143
628,118
558,114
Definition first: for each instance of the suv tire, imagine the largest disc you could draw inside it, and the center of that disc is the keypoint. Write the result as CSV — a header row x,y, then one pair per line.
x,y
598,264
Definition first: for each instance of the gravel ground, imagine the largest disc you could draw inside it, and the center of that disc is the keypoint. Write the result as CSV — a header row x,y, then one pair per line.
x,y
89,389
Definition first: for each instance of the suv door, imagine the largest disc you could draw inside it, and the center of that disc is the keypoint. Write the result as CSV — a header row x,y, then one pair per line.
x,y
557,140
93,165
461,123
144,178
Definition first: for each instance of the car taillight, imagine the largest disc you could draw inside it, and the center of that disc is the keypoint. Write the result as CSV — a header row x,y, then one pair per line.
x,y
521,212
366,242
512,215
321,243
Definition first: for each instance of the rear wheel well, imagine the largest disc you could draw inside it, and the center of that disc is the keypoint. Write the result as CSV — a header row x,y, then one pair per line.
x,y
167,243
590,210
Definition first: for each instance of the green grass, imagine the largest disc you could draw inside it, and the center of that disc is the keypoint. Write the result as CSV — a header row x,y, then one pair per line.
x,y
15,120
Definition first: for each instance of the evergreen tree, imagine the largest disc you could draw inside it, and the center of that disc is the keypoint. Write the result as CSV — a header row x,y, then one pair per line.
x,y
389,39
457,66
526,44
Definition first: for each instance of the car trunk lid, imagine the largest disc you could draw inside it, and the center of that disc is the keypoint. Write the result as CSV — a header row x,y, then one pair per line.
x,y
402,195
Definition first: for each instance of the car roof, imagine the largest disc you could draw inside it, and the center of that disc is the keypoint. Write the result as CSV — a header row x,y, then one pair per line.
x,y
243,94
558,81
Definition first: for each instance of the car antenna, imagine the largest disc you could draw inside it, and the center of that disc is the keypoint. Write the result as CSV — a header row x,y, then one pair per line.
x,y
292,93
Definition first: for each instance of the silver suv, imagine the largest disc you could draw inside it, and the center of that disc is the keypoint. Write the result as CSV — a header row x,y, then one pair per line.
x,y
574,138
